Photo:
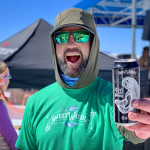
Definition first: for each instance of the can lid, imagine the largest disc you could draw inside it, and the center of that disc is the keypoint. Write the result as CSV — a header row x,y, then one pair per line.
x,y
125,60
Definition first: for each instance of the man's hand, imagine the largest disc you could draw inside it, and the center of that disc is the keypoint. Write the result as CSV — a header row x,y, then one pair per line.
x,y
141,129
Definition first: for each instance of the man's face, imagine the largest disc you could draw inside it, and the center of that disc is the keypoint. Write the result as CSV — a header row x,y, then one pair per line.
x,y
146,53
72,57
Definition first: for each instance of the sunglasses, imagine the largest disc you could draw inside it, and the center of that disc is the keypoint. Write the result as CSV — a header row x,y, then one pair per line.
x,y
3,80
80,36
7,77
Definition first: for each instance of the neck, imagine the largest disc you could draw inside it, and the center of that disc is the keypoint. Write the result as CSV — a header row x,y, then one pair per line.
x,y
67,80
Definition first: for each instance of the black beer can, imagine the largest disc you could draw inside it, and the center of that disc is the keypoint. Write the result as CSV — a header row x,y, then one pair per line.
x,y
126,88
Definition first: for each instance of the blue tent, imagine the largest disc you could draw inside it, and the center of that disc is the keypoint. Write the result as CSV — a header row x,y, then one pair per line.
x,y
116,13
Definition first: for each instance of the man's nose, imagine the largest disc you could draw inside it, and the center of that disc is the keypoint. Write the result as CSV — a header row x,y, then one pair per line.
x,y
71,39
71,42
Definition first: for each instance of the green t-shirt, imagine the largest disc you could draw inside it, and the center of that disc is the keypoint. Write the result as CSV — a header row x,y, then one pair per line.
x,y
57,118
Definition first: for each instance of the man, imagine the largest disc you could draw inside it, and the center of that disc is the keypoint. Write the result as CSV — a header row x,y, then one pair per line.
x,y
76,112
144,61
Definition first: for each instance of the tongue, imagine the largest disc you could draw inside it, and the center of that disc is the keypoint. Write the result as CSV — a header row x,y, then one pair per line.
x,y
73,59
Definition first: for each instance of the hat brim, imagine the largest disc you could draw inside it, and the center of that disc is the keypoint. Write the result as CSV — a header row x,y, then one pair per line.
x,y
67,25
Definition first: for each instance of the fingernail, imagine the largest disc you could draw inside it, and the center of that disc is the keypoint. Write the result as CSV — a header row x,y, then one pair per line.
x,y
132,115
135,103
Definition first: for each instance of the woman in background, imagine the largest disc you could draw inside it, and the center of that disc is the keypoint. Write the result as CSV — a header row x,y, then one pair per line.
x,y
8,135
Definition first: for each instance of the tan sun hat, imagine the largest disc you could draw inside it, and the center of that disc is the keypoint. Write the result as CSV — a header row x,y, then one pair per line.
x,y
74,17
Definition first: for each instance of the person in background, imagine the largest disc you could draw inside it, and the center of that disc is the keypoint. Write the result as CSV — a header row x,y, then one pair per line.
x,y
76,112
8,135
144,61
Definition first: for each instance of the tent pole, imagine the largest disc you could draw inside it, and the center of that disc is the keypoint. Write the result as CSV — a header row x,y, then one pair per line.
x,y
133,27
149,45
91,10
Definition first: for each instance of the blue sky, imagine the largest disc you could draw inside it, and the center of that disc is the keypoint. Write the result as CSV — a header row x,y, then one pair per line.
x,y
19,14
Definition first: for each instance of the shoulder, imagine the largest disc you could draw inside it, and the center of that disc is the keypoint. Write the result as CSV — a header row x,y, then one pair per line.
x,y
2,106
48,89
141,58
104,85
3,109
40,96
105,91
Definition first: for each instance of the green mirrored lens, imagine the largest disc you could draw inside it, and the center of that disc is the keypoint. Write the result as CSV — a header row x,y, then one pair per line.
x,y
81,36
61,37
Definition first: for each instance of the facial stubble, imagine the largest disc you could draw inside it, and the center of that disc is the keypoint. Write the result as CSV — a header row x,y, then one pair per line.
x,y
74,70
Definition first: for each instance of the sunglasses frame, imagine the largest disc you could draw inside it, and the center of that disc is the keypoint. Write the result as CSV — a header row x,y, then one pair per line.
x,y
7,77
71,32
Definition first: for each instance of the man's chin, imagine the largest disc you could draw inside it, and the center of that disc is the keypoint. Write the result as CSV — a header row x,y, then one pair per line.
x,y
73,67
72,72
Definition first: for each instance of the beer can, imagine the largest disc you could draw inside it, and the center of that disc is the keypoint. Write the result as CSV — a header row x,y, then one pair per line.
x,y
126,88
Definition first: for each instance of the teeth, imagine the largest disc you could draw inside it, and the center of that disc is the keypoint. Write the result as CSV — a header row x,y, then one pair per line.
x,y
73,55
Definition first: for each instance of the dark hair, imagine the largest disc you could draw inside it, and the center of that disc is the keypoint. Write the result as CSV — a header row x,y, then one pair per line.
x,y
146,48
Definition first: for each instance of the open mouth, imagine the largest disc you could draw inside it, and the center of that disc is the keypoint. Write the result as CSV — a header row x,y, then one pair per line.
x,y
73,58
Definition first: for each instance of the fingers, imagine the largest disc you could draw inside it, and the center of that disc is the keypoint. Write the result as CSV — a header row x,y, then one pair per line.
x,y
142,104
140,128
142,135
142,117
